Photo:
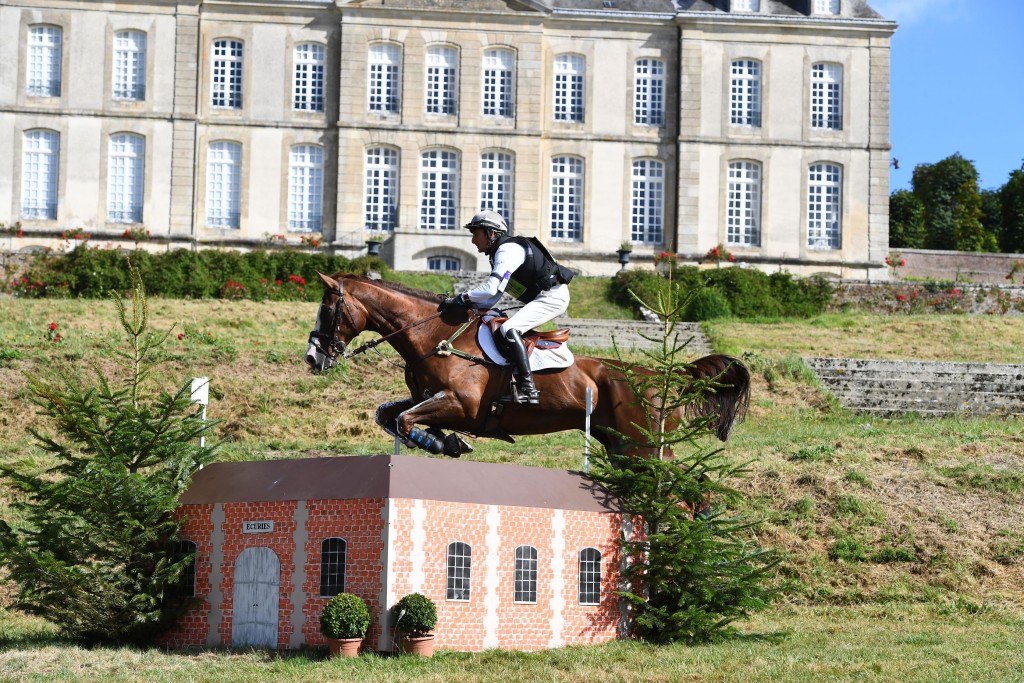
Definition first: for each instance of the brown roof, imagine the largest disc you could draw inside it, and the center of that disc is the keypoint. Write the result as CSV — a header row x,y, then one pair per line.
x,y
396,476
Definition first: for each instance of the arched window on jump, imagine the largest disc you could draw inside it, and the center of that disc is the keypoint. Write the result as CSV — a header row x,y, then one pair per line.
x,y
459,567
179,551
332,567
590,576
526,574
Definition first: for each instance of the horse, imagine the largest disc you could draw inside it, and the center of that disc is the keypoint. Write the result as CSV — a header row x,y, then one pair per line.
x,y
454,387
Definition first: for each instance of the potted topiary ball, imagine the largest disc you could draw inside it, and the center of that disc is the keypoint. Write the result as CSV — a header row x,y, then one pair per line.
x,y
344,623
414,617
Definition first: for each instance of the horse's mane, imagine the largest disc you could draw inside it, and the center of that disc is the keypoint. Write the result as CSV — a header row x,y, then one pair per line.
x,y
430,297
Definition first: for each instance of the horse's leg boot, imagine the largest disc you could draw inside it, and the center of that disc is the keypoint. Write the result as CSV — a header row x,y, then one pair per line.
x,y
526,391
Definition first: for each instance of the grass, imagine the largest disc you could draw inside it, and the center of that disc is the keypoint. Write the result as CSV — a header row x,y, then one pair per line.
x,y
902,536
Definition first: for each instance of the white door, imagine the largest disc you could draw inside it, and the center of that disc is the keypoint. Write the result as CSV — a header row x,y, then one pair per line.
x,y
256,596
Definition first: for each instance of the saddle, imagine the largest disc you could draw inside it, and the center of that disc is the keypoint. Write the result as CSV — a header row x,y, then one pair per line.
x,y
532,338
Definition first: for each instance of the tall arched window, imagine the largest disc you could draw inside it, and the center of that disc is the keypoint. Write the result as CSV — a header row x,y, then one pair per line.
x,y
827,96
226,75
43,64
39,165
384,84
126,162
442,90
460,565
526,574
381,205
824,206
567,198
332,566
570,74
648,209
649,93
590,576
439,189
308,79
129,66
305,188
496,176
745,93
743,212
499,84
223,184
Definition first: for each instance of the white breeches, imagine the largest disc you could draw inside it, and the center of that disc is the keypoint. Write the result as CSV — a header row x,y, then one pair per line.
x,y
548,305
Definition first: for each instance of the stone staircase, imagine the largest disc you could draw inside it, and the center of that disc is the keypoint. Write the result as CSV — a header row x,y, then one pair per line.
x,y
890,387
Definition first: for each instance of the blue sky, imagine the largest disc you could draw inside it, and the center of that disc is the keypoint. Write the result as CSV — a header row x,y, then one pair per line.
x,y
957,85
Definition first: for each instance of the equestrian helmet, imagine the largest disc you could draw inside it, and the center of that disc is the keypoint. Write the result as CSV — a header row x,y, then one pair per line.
x,y
489,220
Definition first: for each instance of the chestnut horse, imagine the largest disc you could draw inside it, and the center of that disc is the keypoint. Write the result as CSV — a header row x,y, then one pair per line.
x,y
459,390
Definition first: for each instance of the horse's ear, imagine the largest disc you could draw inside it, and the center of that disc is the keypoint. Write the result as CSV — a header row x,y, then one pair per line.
x,y
328,282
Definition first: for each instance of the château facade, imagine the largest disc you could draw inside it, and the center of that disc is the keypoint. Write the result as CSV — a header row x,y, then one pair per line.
x,y
761,125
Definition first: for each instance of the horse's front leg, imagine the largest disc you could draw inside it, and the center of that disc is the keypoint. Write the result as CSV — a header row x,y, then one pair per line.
x,y
441,408
387,414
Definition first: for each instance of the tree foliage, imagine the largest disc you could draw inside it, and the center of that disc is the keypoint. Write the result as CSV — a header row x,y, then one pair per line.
x,y
1011,204
692,570
92,545
951,202
906,221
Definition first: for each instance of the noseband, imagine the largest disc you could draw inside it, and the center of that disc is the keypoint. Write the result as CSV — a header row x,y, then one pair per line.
x,y
327,343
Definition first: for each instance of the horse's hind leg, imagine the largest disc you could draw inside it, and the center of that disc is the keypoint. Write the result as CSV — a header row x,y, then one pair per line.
x,y
441,408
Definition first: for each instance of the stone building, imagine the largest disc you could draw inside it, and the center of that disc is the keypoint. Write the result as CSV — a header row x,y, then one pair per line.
x,y
514,557
762,125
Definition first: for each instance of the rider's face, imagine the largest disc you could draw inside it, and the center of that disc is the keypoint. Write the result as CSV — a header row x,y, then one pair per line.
x,y
480,240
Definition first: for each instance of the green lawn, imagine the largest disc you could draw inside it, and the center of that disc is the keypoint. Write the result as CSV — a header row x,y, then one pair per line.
x,y
904,538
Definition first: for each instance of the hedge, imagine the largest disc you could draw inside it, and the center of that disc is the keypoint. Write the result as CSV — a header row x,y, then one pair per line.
x,y
185,274
749,293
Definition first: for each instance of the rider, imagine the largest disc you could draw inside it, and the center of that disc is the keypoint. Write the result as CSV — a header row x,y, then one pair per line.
x,y
522,268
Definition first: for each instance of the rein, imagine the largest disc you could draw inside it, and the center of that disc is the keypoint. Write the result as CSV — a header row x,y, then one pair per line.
x,y
444,347
380,340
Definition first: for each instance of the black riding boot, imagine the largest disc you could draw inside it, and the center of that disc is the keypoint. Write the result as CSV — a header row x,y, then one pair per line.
x,y
526,392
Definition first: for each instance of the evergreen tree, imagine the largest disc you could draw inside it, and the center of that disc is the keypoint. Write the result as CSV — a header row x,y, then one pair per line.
x,y
691,570
92,549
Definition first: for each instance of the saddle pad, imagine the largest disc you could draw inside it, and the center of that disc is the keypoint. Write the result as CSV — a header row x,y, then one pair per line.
x,y
543,358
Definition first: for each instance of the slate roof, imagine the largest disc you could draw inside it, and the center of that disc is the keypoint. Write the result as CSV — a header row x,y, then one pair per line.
x,y
396,476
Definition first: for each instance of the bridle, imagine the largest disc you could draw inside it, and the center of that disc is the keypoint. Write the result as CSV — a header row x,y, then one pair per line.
x,y
327,343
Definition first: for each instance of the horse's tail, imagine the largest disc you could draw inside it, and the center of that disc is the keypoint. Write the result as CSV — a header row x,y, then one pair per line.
x,y
731,395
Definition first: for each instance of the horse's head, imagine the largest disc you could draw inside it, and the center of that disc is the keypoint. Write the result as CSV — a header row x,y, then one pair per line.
x,y
337,324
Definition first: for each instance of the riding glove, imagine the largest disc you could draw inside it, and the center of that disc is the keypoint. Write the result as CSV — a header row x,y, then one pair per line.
x,y
452,301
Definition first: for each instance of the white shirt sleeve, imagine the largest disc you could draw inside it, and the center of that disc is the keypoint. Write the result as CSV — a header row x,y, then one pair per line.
x,y
507,260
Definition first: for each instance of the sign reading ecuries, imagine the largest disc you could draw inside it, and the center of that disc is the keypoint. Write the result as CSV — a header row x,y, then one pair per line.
x,y
261,527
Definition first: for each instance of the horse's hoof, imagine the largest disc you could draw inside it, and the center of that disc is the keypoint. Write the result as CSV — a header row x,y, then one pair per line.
x,y
455,446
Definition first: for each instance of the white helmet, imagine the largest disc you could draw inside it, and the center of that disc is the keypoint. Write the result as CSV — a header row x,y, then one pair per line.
x,y
490,220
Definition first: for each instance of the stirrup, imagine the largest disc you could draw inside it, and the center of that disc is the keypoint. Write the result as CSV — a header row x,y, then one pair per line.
x,y
521,396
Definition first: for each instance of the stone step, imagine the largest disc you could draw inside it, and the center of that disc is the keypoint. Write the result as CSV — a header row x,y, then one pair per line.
x,y
997,384
868,365
890,387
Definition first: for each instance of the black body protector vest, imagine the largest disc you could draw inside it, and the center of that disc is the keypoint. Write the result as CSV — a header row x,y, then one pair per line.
x,y
538,273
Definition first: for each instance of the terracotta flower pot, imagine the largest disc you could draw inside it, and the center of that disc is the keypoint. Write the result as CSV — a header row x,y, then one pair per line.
x,y
417,645
345,647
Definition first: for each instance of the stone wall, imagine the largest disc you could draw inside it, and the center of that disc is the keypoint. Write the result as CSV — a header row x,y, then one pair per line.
x,y
957,266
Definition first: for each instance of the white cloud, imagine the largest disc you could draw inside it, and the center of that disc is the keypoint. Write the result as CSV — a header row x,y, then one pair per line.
x,y
909,11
